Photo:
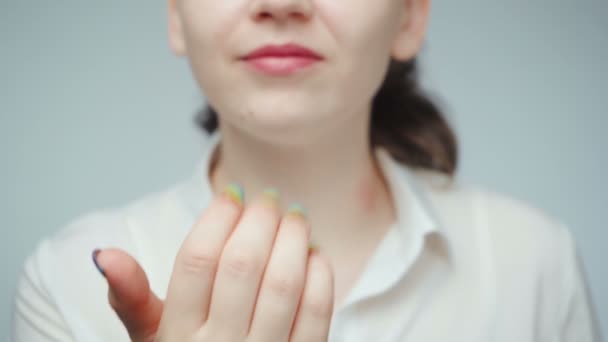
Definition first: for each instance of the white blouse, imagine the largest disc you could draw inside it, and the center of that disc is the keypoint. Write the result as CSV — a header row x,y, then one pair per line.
x,y
459,264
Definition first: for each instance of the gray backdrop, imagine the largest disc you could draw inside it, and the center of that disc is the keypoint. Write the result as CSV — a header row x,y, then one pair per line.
x,y
95,112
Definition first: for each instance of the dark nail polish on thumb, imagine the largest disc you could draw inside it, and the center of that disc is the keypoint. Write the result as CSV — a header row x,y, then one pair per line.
x,y
94,256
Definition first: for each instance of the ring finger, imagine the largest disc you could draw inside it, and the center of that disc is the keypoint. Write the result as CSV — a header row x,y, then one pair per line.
x,y
283,280
241,267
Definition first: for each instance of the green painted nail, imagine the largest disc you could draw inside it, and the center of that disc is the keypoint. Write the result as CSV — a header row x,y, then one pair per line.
x,y
272,193
272,196
235,192
298,210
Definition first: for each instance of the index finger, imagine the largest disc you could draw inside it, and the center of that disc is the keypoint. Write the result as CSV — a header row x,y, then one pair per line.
x,y
189,293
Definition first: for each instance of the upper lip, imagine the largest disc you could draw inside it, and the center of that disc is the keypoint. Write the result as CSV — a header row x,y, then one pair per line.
x,y
283,50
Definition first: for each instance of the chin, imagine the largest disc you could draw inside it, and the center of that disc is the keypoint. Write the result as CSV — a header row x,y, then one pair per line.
x,y
278,115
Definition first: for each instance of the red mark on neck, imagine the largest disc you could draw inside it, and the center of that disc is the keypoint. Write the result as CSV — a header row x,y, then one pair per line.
x,y
368,195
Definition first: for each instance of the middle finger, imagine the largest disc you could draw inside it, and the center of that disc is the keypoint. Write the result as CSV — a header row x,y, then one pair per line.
x,y
241,267
283,280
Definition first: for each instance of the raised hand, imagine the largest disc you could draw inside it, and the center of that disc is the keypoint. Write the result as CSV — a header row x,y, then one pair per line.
x,y
242,274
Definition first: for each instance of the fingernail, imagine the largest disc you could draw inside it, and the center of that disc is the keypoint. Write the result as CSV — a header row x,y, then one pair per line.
x,y
298,210
271,196
94,256
234,191
312,247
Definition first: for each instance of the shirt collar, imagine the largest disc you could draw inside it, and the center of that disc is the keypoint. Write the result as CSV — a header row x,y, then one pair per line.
x,y
415,213
405,240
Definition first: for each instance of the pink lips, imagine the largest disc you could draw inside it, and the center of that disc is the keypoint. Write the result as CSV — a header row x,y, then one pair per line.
x,y
281,60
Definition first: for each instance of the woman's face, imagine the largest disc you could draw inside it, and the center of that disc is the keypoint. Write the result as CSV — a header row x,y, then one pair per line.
x,y
355,39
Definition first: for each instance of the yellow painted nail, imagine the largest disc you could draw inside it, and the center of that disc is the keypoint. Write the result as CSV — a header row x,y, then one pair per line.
x,y
234,191
272,196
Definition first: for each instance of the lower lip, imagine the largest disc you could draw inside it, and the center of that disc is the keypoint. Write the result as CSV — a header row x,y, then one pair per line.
x,y
281,66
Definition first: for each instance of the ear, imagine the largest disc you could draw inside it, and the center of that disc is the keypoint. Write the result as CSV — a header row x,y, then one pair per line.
x,y
176,34
412,29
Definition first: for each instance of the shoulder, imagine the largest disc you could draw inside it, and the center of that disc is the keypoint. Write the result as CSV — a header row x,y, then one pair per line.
x,y
60,269
121,226
530,256
149,227
491,212
514,236
128,226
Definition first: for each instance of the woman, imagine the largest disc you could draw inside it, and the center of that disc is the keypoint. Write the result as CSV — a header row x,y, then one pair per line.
x,y
313,104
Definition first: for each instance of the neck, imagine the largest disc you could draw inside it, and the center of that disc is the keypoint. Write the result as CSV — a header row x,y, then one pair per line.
x,y
335,177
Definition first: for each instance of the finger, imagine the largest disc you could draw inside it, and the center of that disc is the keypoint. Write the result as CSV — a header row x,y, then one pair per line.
x,y
314,315
129,294
283,282
187,303
241,267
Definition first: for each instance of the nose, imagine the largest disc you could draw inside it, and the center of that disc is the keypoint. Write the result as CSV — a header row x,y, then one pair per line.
x,y
281,10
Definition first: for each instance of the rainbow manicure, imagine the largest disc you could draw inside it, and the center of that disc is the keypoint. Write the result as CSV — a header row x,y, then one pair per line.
x,y
297,209
234,191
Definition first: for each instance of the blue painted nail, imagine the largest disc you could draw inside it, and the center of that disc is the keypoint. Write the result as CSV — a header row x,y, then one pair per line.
x,y
99,268
235,192
297,209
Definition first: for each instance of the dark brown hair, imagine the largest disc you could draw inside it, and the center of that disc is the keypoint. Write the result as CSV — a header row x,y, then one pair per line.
x,y
404,121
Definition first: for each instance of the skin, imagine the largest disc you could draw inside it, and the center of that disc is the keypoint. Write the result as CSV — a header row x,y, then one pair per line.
x,y
300,134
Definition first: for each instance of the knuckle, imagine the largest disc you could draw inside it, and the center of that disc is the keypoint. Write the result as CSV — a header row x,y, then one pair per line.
x,y
317,307
212,332
283,285
241,264
198,261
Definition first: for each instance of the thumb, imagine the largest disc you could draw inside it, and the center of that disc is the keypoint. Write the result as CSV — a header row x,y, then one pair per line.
x,y
129,293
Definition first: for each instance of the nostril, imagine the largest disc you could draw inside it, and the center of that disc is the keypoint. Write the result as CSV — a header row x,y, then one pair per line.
x,y
281,15
264,16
